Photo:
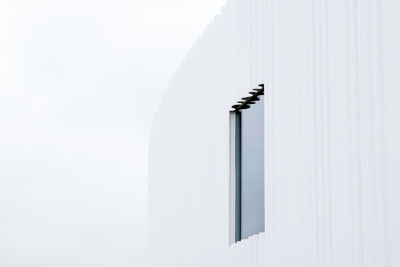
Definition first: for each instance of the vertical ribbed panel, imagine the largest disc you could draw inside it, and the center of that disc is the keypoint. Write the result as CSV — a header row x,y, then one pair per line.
x,y
332,149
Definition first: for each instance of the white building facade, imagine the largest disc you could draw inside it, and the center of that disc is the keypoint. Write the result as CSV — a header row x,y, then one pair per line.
x,y
331,70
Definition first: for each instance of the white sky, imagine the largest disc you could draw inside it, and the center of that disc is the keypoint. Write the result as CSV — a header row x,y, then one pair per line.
x,y
79,83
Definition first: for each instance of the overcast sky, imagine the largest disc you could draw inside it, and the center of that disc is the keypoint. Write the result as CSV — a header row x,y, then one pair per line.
x,y
80,81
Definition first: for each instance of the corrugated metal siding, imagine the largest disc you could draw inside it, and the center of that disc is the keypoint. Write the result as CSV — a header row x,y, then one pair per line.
x,y
331,70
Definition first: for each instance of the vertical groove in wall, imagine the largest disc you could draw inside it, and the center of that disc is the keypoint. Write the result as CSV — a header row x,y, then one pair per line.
x,y
314,131
357,140
381,142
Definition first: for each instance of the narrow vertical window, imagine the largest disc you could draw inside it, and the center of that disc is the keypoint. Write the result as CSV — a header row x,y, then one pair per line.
x,y
247,166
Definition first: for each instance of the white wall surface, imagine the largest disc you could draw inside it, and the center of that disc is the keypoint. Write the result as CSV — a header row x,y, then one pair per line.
x,y
332,137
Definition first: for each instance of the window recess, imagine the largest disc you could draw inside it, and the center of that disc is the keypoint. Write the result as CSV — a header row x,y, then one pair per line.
x,y
247,166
